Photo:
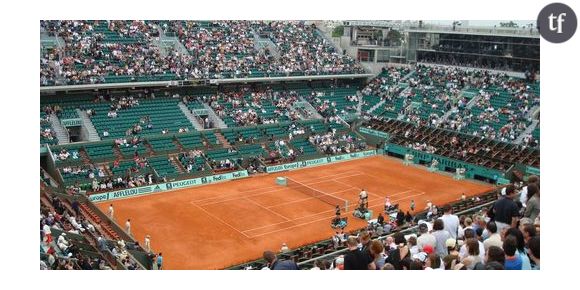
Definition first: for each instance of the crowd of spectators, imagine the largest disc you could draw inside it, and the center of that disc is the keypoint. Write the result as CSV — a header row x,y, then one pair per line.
x,y
335,143
62,252
504,236
90,56
385,85
248,107
474,61
512,117
188,159
303,50
64,154
94,50
500,112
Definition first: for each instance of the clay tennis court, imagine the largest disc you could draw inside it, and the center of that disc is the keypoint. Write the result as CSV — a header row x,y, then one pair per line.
x,y
220,225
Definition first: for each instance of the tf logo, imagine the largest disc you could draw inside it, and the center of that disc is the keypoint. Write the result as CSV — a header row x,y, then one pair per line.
x,y
557,22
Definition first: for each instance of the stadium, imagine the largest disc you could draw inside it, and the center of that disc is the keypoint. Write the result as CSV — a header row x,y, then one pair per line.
x,y
340,145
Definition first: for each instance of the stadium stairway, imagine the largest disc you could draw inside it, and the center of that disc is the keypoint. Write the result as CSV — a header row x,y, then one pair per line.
x,y
533,111
527,132
410,74
378,105
473,101
85,157
307,106
174,158
93,135
59,129
450,111
149,148
117,153
360,103
190,116
222,140
219,123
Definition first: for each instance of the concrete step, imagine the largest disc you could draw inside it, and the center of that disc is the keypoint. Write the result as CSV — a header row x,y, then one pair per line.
x,y
219,123
87,126
378,105
190,116
59,129
222,140
527,132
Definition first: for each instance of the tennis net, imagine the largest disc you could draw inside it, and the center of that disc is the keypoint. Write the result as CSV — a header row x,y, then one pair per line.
x,y
330,199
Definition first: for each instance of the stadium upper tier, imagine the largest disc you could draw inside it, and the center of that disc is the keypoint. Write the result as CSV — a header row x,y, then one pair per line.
x,y
92,52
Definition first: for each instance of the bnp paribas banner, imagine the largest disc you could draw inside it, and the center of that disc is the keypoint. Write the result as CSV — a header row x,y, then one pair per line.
x,y
319,161
143,190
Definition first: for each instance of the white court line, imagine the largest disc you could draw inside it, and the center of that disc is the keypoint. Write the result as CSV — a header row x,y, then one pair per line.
x,y
222,221
302,217
308,180
298,225
277,187
303,199
234,197
336,179
319,213
267,209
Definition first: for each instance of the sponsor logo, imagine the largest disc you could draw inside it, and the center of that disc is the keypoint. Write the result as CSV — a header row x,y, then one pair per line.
x,y
124,193
99,197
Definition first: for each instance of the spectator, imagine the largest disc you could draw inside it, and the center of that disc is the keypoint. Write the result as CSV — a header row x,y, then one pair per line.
x,y
529,231
505,210
495,254
494,239
399,257
473,261
524,195
425,237
534,252
513,261
356,259
376,250
494,266
284,248
275,264
441,236
434,263
450,221
533,203
470,234
521,250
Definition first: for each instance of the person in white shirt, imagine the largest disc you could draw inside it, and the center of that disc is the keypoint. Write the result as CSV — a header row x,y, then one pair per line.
x,y
524,192
425,238
147,243
111,212
463,253
494,238
284,248
450,222
128,226
363,198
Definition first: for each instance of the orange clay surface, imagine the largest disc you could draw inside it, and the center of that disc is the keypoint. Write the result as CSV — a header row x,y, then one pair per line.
x,y
224,224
